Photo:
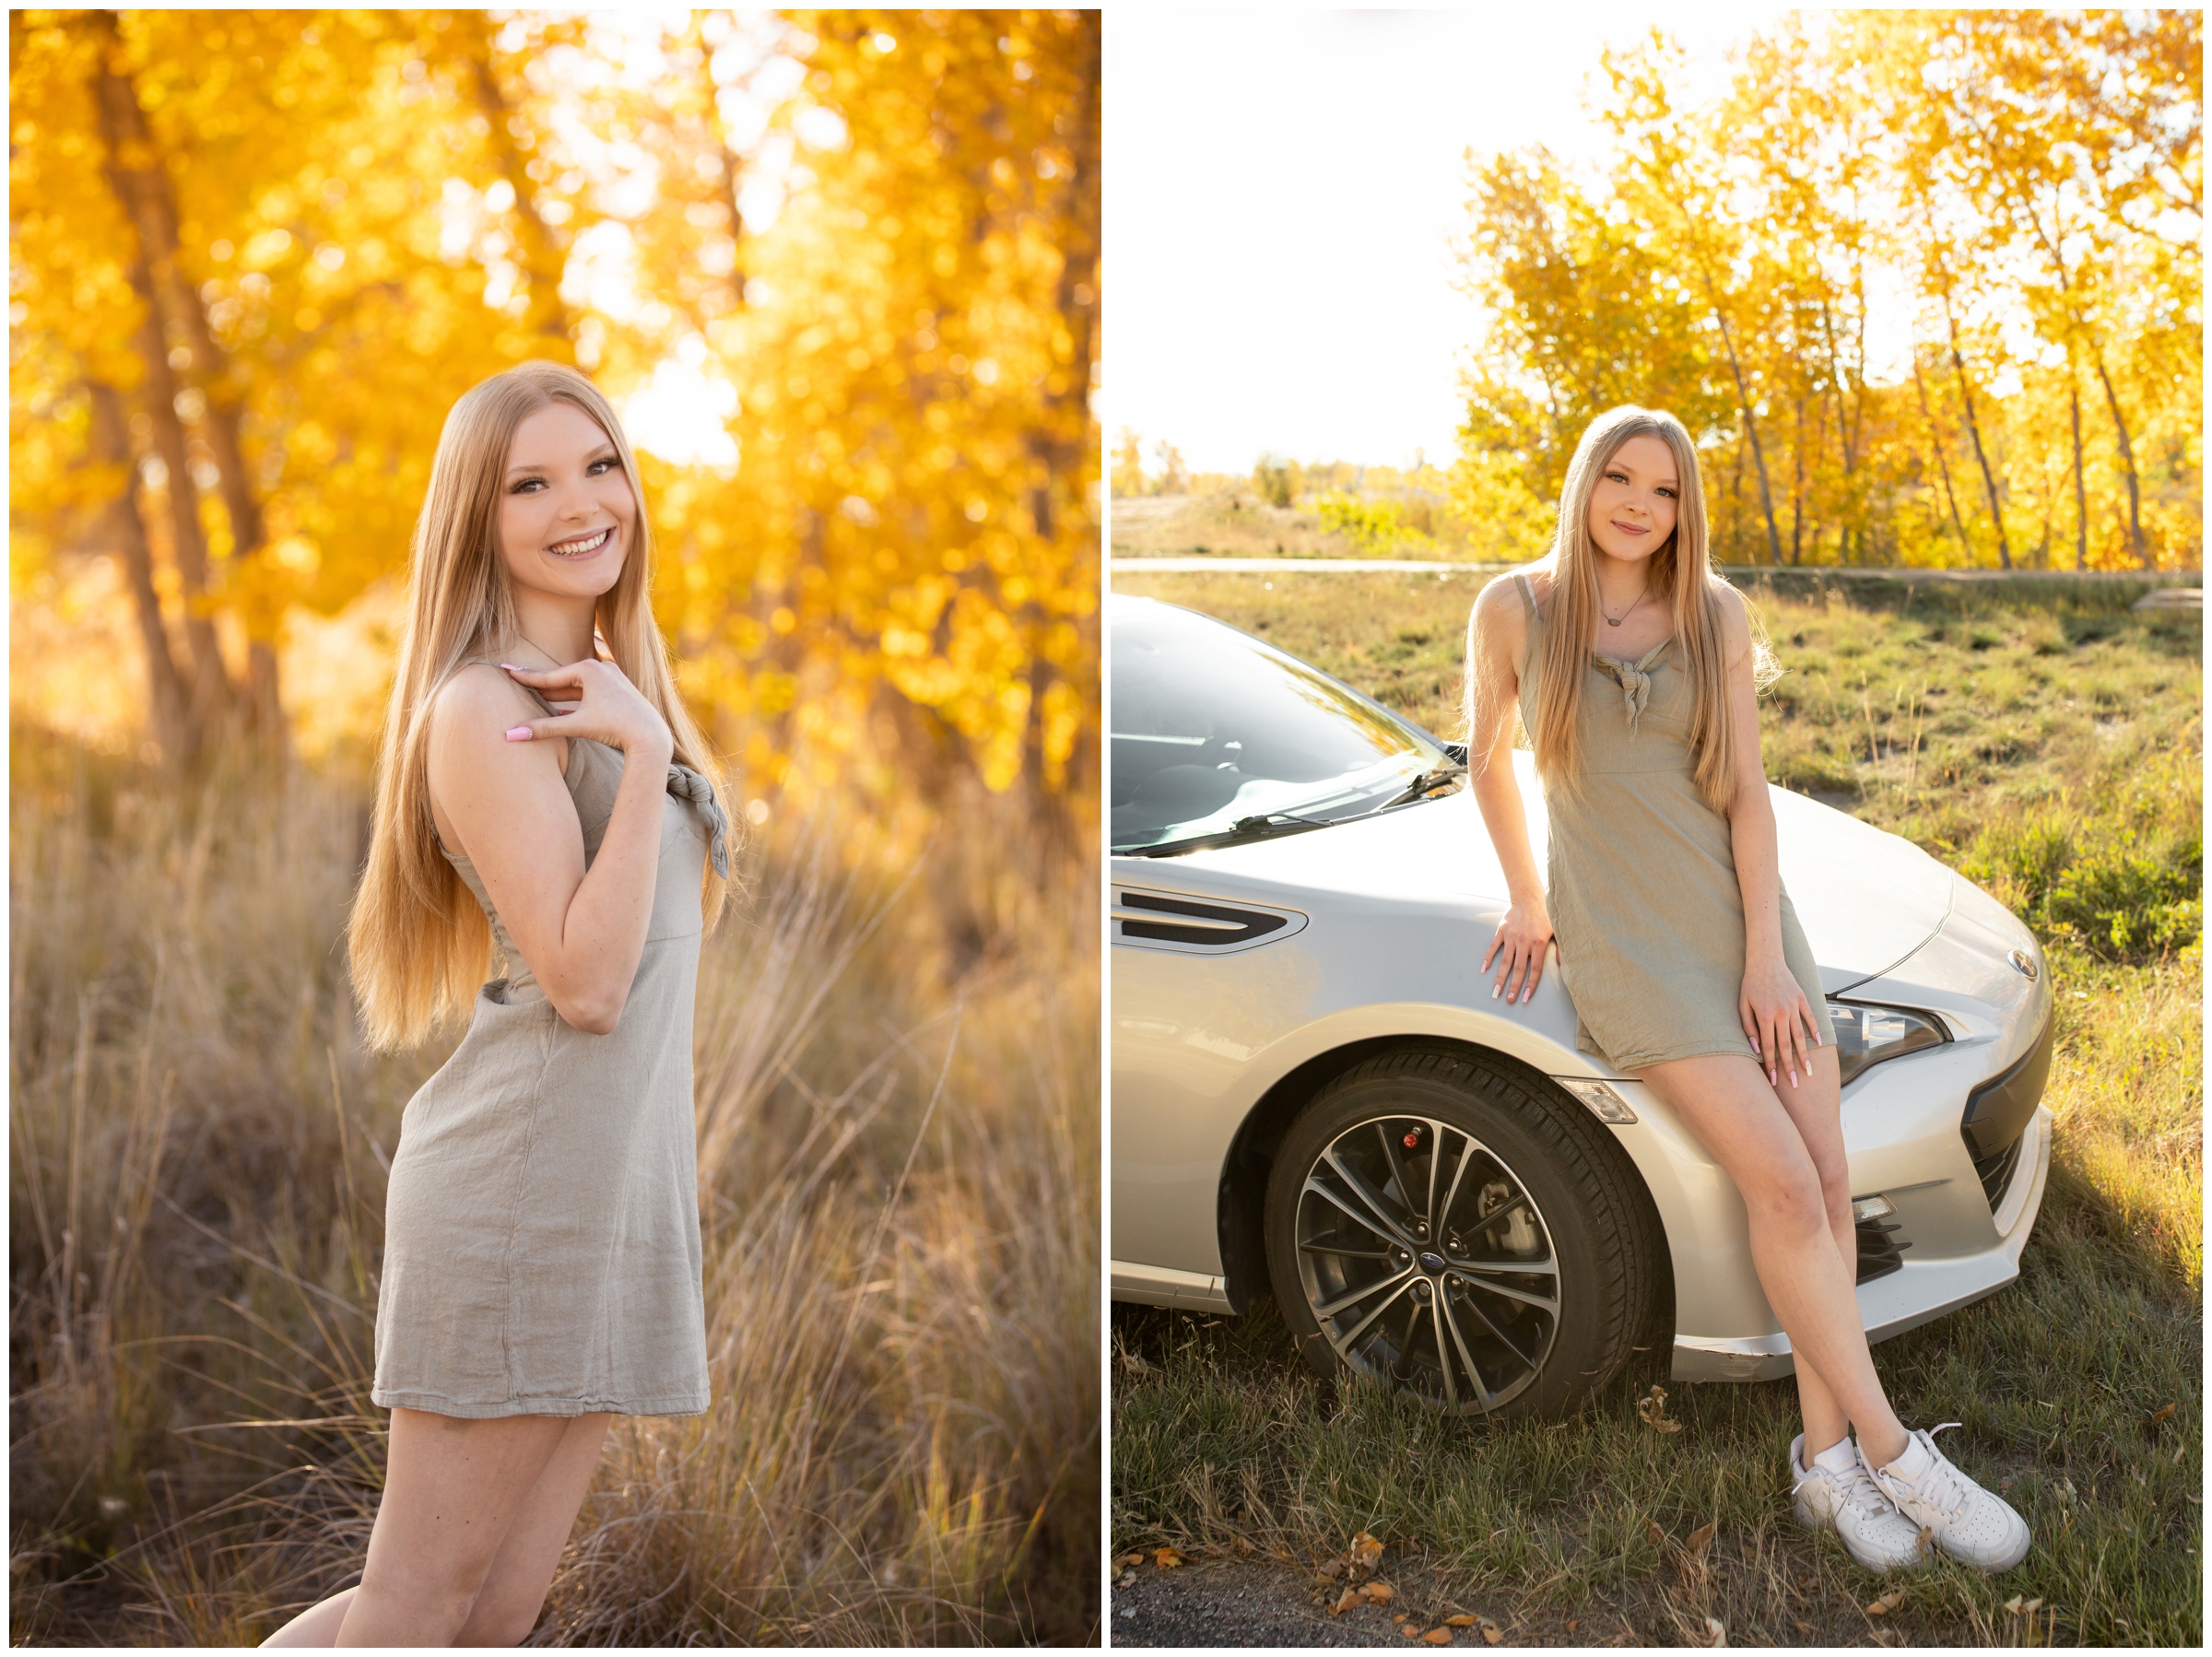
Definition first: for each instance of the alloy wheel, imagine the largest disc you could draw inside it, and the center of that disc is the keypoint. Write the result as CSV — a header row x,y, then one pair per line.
x,y
1426,1264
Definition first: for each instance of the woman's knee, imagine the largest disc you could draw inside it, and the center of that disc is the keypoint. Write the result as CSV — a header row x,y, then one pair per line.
x,y
1790,1196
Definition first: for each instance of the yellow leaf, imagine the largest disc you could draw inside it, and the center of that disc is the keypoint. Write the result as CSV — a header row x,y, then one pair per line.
x,y
1463,1621
1365,1552
1132,1558
1438,1636
1701,1538
1878,1608
1716,1633
2164,1412
1381,1592
1167,1558
1345,1602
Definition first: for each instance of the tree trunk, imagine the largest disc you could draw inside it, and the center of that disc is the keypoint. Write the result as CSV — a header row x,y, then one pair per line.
x,y
1973,427
2127,460
543,259
2081,494
1758,455
168,709
1942,465
142,189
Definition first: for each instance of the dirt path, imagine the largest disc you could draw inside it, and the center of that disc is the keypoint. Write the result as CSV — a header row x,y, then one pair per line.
x,y
1265,1603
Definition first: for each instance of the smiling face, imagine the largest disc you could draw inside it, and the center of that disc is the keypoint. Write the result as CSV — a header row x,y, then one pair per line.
x,y
566,513
1633,508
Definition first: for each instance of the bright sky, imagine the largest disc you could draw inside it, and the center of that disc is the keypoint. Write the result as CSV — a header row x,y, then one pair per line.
x,y
1282,188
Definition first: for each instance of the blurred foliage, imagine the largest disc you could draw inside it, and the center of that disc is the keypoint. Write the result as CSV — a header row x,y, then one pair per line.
x,y
840,269
2031,182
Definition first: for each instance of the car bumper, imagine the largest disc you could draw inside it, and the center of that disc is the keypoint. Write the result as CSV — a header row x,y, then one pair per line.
x,y
1919,1292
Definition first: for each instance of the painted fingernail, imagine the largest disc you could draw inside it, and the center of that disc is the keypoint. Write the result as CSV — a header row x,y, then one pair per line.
x,y
1496,991
511,667
520,733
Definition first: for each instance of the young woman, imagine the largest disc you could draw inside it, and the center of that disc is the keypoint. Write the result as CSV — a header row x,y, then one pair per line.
x,y
541,1268
1635,669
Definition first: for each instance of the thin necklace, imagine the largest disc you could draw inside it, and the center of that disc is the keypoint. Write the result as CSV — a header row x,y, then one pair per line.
x,y
1613,622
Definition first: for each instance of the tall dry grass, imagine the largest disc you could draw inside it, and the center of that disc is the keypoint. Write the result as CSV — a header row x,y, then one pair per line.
x,y
897,1062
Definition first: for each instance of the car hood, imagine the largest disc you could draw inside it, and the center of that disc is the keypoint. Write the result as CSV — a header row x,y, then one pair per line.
x,y
1867,900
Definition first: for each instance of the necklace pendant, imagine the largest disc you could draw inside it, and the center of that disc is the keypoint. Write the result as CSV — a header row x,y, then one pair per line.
x,y
1610,622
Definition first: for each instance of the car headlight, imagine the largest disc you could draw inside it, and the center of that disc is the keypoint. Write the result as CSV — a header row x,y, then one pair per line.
x,y
1868,1035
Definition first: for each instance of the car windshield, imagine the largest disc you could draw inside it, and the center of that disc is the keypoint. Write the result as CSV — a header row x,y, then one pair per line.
x,y
1210,727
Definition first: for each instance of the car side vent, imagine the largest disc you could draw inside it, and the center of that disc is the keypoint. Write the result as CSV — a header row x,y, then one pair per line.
x,y
1154,919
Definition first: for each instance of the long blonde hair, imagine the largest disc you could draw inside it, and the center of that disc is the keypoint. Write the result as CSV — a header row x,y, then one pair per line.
x,y
1682,570
417,941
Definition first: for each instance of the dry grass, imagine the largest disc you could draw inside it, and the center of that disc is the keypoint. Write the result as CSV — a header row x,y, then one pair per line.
x,y
898,1100
2046,741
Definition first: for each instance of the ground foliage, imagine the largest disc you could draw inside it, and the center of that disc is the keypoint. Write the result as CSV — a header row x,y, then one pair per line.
x,y
898,1112
2046,740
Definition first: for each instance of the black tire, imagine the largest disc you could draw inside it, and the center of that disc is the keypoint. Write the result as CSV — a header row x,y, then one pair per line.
x,y
1541,1251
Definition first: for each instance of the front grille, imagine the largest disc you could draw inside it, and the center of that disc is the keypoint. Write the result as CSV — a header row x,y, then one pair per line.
x,y
1997,1170
1881,1250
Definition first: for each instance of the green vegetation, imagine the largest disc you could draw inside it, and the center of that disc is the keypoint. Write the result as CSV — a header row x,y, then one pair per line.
x,y
2047,742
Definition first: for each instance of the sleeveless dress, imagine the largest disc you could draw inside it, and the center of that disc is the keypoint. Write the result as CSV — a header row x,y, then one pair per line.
x,y
541,1224
1641,877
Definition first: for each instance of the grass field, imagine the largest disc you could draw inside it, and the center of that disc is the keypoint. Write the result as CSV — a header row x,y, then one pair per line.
x,y
2048,743
897,1062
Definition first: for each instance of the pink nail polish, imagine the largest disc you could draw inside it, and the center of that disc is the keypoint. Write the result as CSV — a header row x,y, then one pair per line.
x,y
520,733
511,667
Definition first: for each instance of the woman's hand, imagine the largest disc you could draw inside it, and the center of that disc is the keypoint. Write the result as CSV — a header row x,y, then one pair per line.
x,y
1519,938
1778,1020
602,704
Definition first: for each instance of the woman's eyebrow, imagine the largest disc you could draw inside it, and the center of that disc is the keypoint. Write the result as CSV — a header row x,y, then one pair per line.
x,y
604,452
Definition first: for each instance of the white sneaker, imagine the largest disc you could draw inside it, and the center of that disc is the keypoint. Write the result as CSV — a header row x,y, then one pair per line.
x,y
1874,1531
1968,1522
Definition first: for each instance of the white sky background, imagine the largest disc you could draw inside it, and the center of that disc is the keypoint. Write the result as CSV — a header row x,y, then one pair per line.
x,y
1282,188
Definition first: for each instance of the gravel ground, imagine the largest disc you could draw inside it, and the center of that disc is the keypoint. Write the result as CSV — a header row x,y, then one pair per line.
x,y
1267,1603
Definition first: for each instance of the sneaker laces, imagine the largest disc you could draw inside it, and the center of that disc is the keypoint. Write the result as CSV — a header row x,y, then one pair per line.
x,y
1858,1490
1941,1485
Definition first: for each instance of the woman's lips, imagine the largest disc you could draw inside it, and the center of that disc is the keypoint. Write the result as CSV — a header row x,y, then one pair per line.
x,y
581,546
1630,529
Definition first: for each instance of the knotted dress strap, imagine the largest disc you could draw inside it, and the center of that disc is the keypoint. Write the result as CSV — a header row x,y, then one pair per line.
x,y
687,785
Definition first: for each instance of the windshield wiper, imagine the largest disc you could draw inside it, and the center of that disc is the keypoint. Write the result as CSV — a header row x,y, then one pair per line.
x,y
1262,825
1423,783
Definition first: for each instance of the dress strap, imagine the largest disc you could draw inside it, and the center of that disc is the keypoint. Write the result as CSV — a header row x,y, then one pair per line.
x,y
687,785
1528,594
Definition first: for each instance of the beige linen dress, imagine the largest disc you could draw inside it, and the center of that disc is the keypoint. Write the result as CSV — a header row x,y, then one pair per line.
x,y
541,1224
1645,904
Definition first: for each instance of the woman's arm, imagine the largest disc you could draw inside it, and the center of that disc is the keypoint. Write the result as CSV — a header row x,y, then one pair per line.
x,y
1773,1005
580,933
1496,635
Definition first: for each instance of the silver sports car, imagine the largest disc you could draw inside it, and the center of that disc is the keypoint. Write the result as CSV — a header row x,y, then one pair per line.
x,y
1314,1092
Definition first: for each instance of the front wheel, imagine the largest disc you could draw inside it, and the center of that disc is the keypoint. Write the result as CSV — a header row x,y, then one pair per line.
x,y
1468,1238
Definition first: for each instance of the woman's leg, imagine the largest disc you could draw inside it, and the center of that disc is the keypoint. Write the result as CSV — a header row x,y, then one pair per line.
x,y
316,1626
1796,1245
453,1489
514,1590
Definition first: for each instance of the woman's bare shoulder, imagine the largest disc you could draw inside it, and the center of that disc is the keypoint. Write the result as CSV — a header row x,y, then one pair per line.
x,y
473,711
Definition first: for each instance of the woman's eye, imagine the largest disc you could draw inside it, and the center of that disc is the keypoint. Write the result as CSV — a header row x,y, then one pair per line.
x,y
525,485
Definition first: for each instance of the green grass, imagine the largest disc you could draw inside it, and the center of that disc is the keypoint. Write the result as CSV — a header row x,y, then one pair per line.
x,y
2048,743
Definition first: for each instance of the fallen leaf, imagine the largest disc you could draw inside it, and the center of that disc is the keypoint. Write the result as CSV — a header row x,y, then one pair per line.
x,y
2065,1489
1333,1569
2013,1604
1132,1558
1365,1552
1926,1536
2163,1413
1701,1538
1803,1627
1715,1631
1411,1629
1491,1634
1438,1636
1345,1602
1879,1608
1657,1536
1167,1558
1652,1408
1574,1623
2032,1608
1381,1592
1242,1547
1463,1621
